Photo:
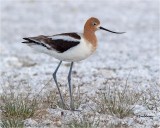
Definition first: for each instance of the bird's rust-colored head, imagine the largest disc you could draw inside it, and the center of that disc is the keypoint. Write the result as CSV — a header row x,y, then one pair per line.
x,y
92,24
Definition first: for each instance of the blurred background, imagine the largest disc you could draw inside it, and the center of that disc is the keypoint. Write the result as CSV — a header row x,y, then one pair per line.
x,y
135,53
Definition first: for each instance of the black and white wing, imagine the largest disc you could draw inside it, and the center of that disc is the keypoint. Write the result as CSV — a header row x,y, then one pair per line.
x,y
60,42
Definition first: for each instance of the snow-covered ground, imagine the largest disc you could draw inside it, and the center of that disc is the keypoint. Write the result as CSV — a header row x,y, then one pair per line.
x,y
134,55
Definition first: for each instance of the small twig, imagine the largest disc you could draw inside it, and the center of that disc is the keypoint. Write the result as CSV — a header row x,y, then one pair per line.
x,y
42,89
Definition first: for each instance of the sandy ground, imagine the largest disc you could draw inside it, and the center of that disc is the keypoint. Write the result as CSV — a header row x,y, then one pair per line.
x,y
134,55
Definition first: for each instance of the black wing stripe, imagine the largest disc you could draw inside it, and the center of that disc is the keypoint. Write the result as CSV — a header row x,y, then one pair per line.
x,y
61,45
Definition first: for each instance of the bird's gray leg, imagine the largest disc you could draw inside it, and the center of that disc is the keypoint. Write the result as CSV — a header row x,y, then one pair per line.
x,y
55,79
70,87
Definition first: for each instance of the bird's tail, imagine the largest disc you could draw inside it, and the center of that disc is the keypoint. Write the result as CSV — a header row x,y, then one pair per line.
x,y
28,40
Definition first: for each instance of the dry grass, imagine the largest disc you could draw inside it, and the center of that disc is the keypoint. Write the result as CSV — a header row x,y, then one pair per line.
x,y
117,99
119,125
116,102
16,104
85,121
16,108
51,98
14,112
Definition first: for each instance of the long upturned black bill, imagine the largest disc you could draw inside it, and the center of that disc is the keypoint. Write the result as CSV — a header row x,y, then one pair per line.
x,y
111,31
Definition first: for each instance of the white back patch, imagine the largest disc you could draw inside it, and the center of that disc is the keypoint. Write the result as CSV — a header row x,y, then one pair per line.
x,y
64,37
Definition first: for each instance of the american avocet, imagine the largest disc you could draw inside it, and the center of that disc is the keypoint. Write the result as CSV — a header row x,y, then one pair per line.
x,y
71,47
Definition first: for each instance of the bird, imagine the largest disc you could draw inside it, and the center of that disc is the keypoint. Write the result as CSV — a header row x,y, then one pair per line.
x,y
70,47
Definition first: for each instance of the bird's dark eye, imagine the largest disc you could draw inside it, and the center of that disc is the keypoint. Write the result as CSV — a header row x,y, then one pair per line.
x,y
94,23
